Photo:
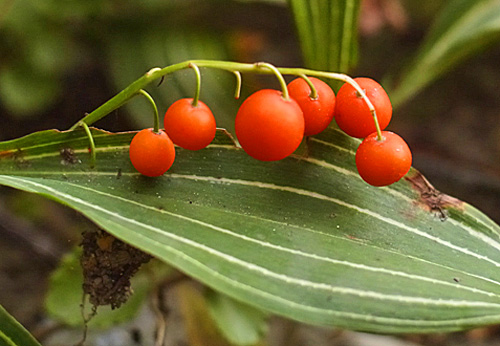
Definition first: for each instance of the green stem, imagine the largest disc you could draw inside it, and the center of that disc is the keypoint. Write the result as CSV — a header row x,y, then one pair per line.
x,y
238,84
278,75
198,84
125,95
156,126
314,93
263,68
91,143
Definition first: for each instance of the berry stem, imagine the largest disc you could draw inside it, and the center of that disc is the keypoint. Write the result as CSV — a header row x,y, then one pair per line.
x,y
238,84
278,75
156,126
198,84
91,144
314,93
362,93
235,67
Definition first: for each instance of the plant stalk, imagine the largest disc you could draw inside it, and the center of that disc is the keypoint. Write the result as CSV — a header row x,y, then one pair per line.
x,y
235,67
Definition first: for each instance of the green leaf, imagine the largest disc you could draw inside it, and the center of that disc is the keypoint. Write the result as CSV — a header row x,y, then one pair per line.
x,y
304,237
462,29
240,323
12,333
327,31
200,328
65,295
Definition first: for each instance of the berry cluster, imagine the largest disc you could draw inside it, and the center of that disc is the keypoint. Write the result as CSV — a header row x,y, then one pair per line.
x,y
188,125
383,157
270,126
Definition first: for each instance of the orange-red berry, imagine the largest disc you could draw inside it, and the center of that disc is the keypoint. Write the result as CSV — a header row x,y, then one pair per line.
x,y
190,127
318,112
269,127
382,163
352,113
151,153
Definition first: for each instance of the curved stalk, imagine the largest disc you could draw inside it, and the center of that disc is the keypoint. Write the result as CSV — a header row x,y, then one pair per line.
x,y
91,144
198,84
314,93
156,126
264,68
237,92
278,75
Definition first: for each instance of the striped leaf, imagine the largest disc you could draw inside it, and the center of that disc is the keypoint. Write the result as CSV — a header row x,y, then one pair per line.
x,y
327,31
304,237
12,333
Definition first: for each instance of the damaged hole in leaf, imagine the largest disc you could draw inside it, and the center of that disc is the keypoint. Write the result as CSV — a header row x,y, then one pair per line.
x,y
432,199
19,159
108,265
68,157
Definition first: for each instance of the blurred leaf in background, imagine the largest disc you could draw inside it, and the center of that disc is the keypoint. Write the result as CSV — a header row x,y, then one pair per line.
x,y
328,33
241,323
35,56
461,29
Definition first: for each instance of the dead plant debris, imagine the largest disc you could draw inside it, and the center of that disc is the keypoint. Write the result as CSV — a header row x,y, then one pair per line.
x,y
108,265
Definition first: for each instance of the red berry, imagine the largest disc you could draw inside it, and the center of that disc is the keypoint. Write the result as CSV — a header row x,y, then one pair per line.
x,y
268,127
382,163
318,112
190,127
151,153
352,113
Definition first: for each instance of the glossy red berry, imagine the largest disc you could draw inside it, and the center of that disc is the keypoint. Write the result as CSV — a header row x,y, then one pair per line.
x,y
382,163
352,113
190,127
268,127
318,112
151,153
